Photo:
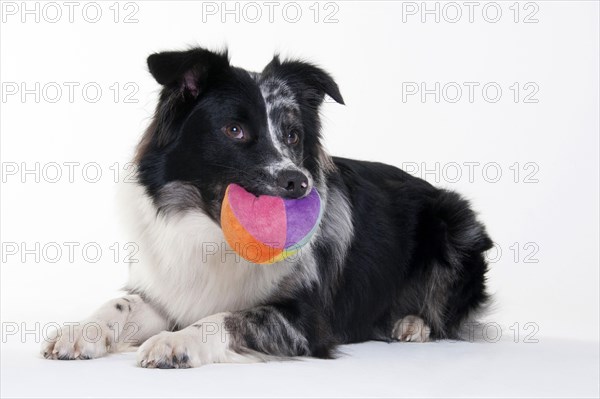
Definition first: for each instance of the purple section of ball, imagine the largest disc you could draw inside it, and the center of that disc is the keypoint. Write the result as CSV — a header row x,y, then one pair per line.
x,y
301,217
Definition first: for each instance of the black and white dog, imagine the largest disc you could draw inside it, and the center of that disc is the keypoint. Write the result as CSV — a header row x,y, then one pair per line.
x,y
393,259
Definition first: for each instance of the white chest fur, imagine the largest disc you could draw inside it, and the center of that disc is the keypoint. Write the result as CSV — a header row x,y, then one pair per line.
x,y
186,266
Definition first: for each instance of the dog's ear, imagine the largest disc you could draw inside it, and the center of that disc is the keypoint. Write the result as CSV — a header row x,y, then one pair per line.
x,y
187,71
311,82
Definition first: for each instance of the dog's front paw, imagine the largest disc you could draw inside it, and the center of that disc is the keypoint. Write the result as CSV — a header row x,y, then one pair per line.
x,y
170,350
204,342
87,340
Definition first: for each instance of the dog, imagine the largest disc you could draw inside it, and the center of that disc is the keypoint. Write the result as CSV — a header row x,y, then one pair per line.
x,y
393,258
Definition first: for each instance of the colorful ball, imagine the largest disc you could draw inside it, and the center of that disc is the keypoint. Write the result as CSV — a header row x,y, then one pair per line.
x,y
268,229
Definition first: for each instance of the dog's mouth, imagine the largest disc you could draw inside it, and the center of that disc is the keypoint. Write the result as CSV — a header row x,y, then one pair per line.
x,y
260,189
263,186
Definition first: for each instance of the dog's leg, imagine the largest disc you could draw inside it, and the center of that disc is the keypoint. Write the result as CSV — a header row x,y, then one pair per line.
x,y
411,329
246,336
119,324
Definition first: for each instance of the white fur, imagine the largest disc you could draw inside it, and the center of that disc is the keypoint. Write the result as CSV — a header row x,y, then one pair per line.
x,y
177,271
411,329
109,329
202,343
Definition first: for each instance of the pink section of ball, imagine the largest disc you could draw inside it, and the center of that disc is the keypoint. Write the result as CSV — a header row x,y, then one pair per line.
x,y
263,217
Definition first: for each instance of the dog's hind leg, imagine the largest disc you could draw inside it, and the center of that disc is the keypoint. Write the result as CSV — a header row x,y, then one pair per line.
x,y
452,265
445,285
411,329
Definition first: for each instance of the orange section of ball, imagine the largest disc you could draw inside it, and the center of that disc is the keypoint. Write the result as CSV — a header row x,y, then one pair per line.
x,y
243,242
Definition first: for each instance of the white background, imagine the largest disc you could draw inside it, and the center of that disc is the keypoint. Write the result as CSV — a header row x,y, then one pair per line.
x,y
544,219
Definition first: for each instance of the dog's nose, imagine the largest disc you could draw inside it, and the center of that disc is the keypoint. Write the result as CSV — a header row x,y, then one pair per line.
x,y
293,183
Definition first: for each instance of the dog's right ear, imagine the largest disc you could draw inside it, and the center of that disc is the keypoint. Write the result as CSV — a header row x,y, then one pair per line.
x,y
187,71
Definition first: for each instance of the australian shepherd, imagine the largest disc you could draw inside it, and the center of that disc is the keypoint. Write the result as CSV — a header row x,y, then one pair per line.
x,y
393,258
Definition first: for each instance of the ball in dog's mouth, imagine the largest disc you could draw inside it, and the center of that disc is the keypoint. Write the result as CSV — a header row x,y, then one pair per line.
x,y
268,229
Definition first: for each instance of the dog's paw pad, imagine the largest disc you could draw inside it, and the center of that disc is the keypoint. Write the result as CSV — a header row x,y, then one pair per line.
x,y
411,329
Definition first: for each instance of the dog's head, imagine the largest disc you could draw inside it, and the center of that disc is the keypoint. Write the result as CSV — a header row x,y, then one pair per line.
x,y
216,124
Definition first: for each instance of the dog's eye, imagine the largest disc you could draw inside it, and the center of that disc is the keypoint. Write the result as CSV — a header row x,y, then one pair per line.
x,y
292,137
234,131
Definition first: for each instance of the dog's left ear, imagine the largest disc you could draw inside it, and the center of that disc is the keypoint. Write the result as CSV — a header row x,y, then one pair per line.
x,y
311,82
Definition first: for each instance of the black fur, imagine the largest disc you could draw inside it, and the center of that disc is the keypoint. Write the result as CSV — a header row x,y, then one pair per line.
x,y
412,249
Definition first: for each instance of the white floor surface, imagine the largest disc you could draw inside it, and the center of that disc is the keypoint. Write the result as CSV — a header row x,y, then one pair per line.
x,y
549,368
